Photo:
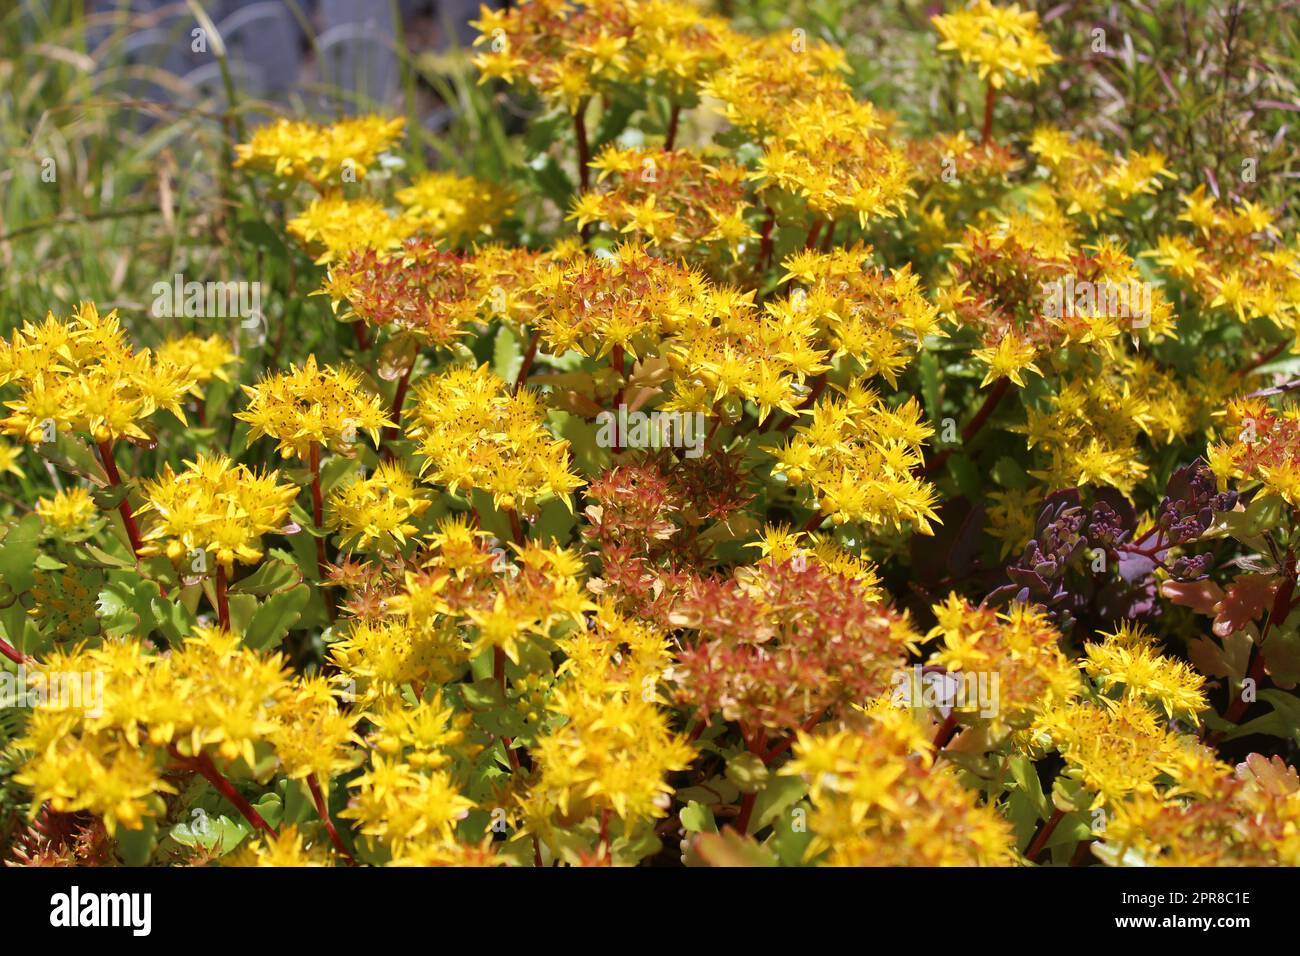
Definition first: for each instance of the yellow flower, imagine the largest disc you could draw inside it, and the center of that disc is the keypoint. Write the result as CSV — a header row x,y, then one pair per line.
x,y
312,405
284,849
1008,359
376,512
325,156
81,376
473,432
214,510
858,457
1129,660
879,800
9,456
1003,41
336,226
201,359
68,509
613,749
454,208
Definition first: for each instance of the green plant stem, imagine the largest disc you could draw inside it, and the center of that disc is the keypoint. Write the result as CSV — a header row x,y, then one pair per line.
x,y
499,672
318,516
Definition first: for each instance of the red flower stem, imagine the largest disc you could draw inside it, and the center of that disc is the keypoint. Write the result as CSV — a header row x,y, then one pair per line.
x,y
223,604
317,507
584,151
323,812
123,506
947,730
499,672
527,363
11,652
399,399
317,513
359,330
813,234
757,745
1044,832
814,522
673,116
765,243
616,355
516,529
788,742
990,97
829,240
818,386
981,418
202,764
1262,359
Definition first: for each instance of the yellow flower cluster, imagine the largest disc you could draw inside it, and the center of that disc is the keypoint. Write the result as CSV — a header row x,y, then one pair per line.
x,y
569,50
858,456
419,290
82,376
1259,445
203,359
613,749
819,142
473,432
1128,660
1093,420
332,227
1019,646
672,199
1232,261
216,507
1117,749
311,406
1005,42
879,799
876,319
1091,182
1031,291
375,513
1252,819
324,156
67,510
107,751
455,209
